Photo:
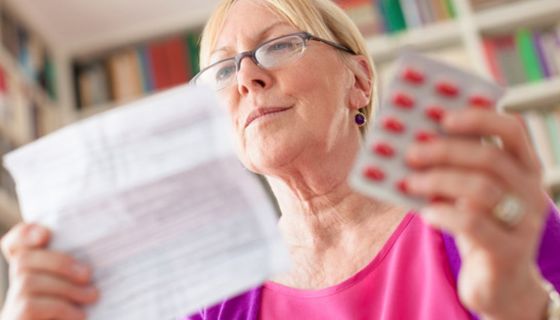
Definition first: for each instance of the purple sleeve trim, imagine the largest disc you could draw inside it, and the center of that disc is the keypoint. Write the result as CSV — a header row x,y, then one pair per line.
x,y
245,306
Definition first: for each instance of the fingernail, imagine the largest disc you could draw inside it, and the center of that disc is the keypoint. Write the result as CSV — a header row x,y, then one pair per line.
x,y
80,270
35,235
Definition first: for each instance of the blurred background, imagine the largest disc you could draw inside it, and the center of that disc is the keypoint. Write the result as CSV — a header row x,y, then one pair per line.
x,y
65,60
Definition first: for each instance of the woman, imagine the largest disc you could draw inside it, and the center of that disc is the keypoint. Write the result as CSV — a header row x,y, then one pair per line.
x,y
295,103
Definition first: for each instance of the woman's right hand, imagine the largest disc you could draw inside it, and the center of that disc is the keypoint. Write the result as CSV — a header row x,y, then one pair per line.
x,y
44,284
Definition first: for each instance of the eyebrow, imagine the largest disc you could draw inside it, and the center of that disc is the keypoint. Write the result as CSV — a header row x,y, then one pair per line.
x,y
260,36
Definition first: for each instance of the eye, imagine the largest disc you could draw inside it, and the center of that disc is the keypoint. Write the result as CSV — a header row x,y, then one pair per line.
x,y
281,46
225,73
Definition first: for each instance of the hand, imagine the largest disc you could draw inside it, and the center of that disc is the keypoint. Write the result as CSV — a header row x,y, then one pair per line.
x,y
498,277
44,284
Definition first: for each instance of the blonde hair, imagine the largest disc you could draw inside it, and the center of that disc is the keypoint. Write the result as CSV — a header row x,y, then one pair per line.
x,y
321,18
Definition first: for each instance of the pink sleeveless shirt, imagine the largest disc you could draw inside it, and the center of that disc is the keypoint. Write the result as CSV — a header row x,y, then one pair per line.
x,y
408,279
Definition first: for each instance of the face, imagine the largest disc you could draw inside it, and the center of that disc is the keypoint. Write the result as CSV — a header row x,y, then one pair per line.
x,y
301,111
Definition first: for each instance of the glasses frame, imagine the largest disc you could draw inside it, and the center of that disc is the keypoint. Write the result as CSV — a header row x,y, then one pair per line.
x,y
305,36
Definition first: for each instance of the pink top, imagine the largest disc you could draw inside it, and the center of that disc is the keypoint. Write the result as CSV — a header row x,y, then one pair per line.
x,y
408,279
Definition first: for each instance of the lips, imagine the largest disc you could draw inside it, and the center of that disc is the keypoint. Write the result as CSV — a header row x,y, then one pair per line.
x,y
259,112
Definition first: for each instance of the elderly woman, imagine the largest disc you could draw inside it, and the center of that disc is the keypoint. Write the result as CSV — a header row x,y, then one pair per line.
x,y
298,81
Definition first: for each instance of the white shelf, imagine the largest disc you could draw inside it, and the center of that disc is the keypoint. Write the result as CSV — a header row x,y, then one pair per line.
x,y
505,17
527,96
552,178
385,47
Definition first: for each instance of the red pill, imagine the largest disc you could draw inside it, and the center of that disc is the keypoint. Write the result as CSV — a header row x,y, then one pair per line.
x,y
425,136
447,89
384,150
403,101
413,76
393,125
402,186
436,113
482,102
374,174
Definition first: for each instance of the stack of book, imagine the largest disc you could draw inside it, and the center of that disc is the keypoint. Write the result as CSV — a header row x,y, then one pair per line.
x,y
390,16
524,56
133,72
544,129
30,53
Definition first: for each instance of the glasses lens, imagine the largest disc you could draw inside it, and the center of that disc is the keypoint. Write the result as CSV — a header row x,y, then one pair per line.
x,y
219,75
280,51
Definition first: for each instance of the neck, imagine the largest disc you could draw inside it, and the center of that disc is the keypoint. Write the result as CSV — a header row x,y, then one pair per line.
x,y
320,210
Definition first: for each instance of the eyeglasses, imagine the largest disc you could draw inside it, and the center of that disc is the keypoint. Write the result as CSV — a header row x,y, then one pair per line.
x,y
268,55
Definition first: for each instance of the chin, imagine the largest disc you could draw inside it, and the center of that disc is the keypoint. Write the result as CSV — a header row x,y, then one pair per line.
x,y
266,158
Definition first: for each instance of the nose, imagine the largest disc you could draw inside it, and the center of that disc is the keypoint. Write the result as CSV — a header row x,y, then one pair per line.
x,y
251,77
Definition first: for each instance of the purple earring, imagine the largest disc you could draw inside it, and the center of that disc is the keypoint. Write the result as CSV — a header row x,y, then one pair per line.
x,y
360,119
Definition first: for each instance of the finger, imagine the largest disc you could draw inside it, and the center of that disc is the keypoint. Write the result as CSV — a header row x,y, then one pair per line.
x,y
476,226
479,190
52,262
42,284
24,236
471,155
47,308
475,121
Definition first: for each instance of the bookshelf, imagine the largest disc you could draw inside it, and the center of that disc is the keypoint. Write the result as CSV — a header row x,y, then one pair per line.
x,y
79,33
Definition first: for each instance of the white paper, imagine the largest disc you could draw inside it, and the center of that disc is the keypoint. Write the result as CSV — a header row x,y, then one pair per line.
x,y
152,196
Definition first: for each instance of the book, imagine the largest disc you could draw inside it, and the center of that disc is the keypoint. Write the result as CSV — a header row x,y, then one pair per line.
x,y
509,61
528,55
550,51
426,12
93,85
490,52
158,61
146,70
178,69
124,73
394,18
539,50
365,15
411,11
192,41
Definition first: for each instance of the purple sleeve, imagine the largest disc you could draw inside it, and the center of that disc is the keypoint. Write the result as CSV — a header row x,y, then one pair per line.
x,y
242,307
548,258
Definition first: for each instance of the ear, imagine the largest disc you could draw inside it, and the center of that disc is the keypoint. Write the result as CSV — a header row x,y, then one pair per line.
x,y
361,83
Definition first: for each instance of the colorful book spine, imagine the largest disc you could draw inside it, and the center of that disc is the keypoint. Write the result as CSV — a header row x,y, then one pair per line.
x,y
192,40
411,12
394,18
492,60
179,70
528,54
146,69
539,49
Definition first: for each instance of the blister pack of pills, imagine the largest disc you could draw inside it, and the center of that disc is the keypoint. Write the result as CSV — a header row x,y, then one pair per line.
x,y
421,91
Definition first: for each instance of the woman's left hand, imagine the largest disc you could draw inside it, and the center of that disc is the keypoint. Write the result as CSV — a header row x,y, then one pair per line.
x,y
499,278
